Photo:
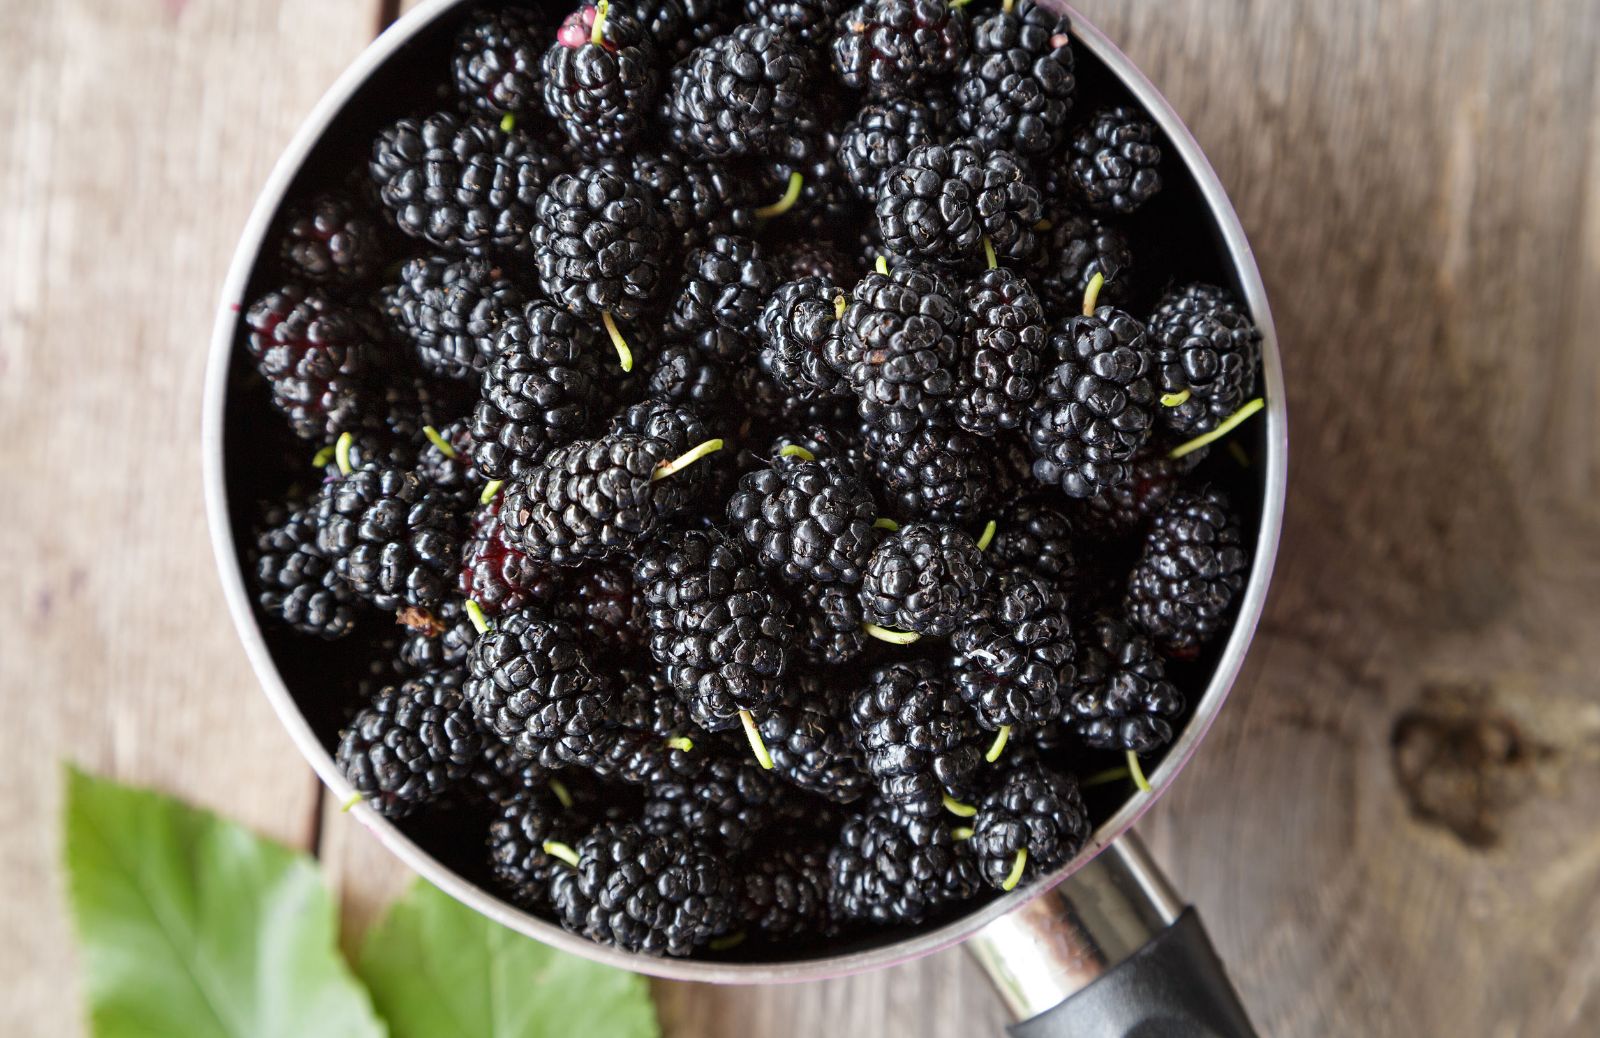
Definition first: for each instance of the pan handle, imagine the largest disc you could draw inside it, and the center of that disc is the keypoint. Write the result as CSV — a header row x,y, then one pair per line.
x,y
1110,952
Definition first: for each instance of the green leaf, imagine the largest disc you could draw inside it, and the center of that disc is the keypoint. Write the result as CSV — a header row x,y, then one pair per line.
x,y
192,927
437,969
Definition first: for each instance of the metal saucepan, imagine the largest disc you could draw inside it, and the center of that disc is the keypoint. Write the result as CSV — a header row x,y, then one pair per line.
x,y
1101,946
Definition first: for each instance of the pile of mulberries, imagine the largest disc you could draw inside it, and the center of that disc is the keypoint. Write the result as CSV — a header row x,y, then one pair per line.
x,y
734,468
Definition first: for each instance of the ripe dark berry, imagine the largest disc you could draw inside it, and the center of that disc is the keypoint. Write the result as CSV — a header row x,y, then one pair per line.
x,y
1037,536
902,339
436,639
810,21
1116,159
1034,809
450,311
807,731
295,583
895,48
411,745
531,684
538,392
589,499
716,623
1206,345
802,344
945,199
1015,89
829,618
925,578
330,242
784,891
1098,405
666,894
1013,664
740,94
390,538
1121,698
882,136
679,26
496,61
600,242
919,739
807,521
600,92
1003,354
319,358
699,199
1192,568
687,377
725,282
522,825
1075,248
464,185
497,576
893,869
932,473
729,802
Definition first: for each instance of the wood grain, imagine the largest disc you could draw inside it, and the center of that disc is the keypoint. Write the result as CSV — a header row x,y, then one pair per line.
x,y
1421,182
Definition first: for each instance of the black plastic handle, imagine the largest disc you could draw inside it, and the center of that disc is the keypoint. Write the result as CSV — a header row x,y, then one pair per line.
x,y
1173,987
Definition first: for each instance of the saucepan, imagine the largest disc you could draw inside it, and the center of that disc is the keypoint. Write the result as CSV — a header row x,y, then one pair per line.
x,y
1101,946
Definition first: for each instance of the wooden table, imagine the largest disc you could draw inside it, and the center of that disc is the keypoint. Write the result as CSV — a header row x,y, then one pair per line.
x,y
1394,829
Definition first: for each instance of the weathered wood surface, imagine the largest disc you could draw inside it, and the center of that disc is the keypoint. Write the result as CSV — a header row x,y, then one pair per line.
x,y
1392,831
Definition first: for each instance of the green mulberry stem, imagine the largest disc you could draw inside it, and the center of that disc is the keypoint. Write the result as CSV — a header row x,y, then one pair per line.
x,y
322,457
961,832
791,195
1091,295
1229,424
987,536
683,461
624,354
956,807
563,794
882,266
839,307
557,849
508,122
1015,875
754,735
732,940
597,35
439,441
681,742
998,747
988,253
490,489
794,450
1137,772
884,634
882,523
480,622
1100,778
341,453
349,803
1175,399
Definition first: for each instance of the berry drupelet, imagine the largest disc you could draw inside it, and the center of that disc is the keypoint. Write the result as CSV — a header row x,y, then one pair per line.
x,y
892,869
944,200
801,338
657,894
599,241
600,79
318,356
1032,822
1115,161
896,48
411,745
1207,351
924,578
1013,663
1192,567
882,136
807,521
330,242
902,334
496,62
538,392
1098,405
932,473
1003,355
1015,88
462,184
740,94
1121,698
531,684
918,738
449,310
393,540
295,583
725,283
716,624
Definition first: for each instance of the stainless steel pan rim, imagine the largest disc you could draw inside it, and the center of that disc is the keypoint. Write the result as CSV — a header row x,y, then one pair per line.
x,y
238,598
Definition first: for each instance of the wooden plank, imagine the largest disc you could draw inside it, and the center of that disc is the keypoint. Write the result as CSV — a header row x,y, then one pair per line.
x,y
135,136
